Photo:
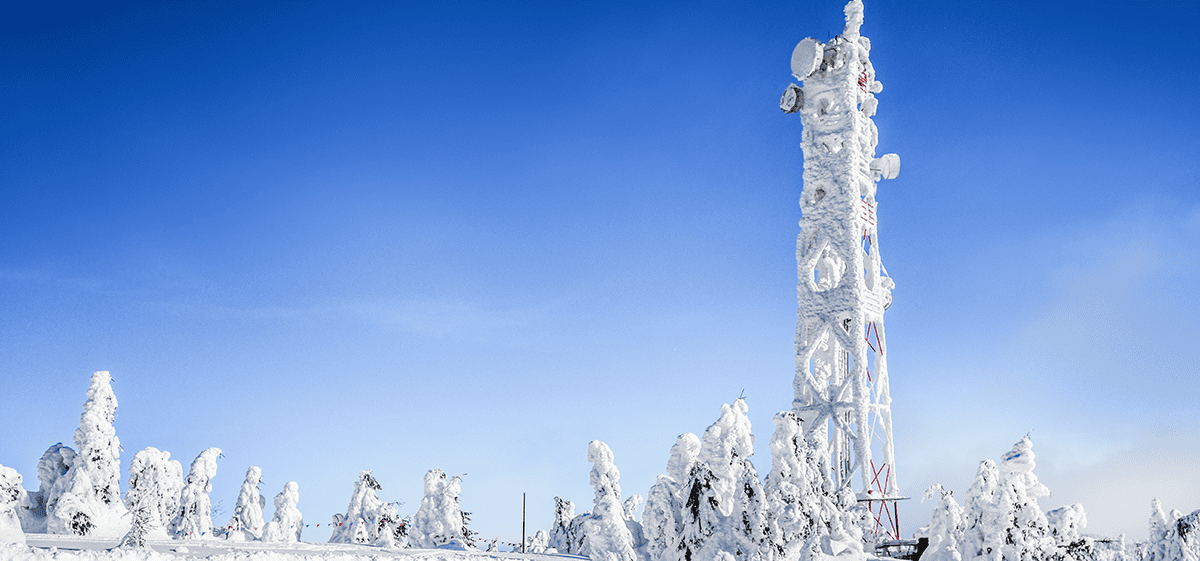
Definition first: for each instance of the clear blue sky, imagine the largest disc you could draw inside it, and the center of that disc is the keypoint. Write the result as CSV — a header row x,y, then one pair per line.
x,y
330,236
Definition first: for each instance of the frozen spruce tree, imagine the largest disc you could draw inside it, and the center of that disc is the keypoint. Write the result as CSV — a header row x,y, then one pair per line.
x,y
725,507
983,523
800,498
89,502
662,517
439,521
247,524
945,528
193,516
562,537
52,470
606,536
368,519
155,482
1173,536
11,495
287,525
1026,530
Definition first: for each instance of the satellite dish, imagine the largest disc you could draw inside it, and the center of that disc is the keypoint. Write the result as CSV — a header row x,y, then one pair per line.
x,y
806,58
792,100
886,166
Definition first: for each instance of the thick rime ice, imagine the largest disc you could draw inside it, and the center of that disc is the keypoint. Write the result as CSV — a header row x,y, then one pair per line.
x,y
841,385
368,519
193,517
11,494
439,521
247,520
945,529
606,534
86,500
155,483
287,524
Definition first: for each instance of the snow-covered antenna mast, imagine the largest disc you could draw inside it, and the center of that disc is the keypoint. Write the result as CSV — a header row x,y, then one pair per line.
x,y
841,361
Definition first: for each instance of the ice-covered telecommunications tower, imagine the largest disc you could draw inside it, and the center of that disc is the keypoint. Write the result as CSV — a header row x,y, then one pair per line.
x,y
841,351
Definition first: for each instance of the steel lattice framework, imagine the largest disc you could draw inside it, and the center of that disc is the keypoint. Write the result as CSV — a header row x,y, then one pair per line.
x,y
841,349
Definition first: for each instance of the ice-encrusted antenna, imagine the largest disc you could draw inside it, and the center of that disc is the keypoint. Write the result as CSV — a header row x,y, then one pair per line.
x,y
841,385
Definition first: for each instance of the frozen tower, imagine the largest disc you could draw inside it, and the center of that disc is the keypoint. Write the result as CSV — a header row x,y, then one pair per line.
x,y
841,360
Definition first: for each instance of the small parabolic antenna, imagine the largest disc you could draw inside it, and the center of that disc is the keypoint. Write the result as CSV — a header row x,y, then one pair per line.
x,y
886,166
806,58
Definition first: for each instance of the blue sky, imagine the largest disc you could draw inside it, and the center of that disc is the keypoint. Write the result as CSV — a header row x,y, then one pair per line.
x,y
328,237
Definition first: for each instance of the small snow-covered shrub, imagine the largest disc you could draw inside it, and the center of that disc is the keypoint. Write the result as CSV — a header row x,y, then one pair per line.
x,y
287,524
439,521
368,519
193,516
247,520
11,494
538,542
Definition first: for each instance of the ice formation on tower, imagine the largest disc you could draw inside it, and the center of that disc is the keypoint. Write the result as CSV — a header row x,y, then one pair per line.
x,y
841,387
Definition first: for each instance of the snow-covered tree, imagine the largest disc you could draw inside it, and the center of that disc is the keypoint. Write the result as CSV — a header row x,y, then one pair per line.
x,y
606,535
379,522
1027,533
724,510
287,524
193,516
983,532
247,520
90,498
155,483
52,468
662,521
562,536
1173,536
10,501
538,542
800,493
946,527
439,520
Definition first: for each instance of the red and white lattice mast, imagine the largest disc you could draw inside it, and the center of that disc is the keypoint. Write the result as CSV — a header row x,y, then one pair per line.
x,y
841,351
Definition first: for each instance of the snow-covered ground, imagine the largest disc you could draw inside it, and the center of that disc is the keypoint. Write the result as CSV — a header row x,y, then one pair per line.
x,y
42,547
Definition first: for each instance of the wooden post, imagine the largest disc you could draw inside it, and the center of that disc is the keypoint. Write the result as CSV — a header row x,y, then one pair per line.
x,y
522,522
